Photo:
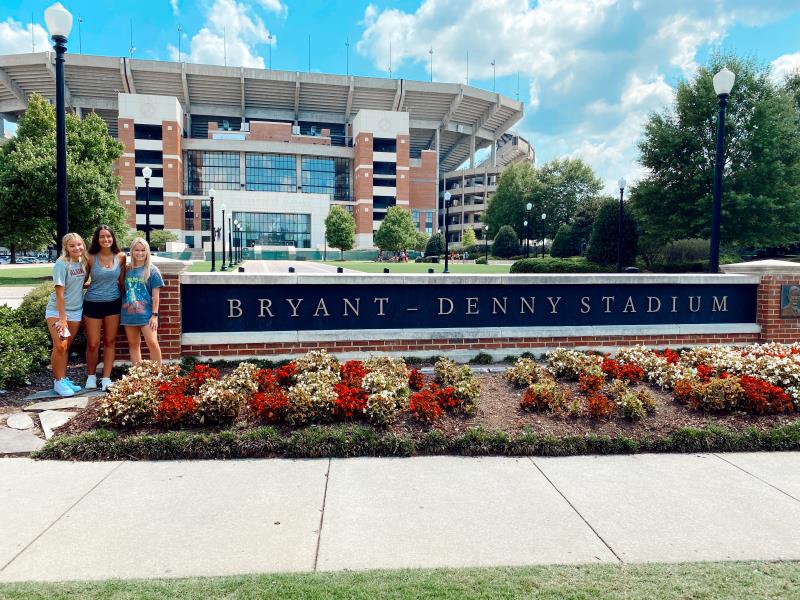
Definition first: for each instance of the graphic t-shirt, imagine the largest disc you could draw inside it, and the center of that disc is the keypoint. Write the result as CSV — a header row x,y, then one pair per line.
x,y
137,305
70,275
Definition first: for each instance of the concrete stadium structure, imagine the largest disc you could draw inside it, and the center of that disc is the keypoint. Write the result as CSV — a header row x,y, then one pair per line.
x,y
279,147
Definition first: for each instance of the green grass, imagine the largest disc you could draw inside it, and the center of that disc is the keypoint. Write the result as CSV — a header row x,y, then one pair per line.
x,y
707,581
412,267
25,275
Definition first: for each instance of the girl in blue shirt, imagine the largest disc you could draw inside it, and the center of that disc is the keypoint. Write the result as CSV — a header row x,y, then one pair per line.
x,y
140,303
64,309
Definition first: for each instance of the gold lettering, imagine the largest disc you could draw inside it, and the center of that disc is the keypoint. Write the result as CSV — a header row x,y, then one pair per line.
x,y
472,306
381,302
629,307
441,306
650,308
321,307
553,304
692,307
720,306
496,305
674,304
349,304
608,300
264,307
294,306
531,306
234,308
585,308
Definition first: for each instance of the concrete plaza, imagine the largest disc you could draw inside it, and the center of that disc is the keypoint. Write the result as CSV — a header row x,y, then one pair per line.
x,y
68,521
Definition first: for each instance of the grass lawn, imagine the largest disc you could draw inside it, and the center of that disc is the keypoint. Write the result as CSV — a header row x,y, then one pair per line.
x,y
10,275
745,580
412,267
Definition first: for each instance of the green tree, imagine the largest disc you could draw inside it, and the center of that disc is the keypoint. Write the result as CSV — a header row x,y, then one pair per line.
x,y
468,238
506,243
421,241
435,245
603,242
158,239
340,229
792,86
507,206
761,178
28,178
566,243
397,231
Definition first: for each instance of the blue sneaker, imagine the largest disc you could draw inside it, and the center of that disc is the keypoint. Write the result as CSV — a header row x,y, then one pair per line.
x,y
75,388
63,389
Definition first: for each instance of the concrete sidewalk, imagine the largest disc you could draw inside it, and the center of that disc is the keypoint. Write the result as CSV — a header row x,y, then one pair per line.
x,y
64,521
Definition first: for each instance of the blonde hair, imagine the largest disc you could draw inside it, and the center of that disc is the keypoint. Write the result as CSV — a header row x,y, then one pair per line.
x,y
65,248
147,262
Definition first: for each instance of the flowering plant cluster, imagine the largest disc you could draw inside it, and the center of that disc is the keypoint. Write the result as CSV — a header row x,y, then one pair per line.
x,y
455,388
133,400
569,364
526,372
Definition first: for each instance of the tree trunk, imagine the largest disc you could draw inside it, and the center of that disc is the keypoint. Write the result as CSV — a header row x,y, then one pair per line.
x,y
13,249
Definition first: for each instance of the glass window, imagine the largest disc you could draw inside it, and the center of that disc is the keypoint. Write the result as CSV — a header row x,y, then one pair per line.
x,y
429,222
205,170
275,229
149,157
205,215
270,172
382,202
147,132
326,175
384,168
188,215
190,241
415,217
384,145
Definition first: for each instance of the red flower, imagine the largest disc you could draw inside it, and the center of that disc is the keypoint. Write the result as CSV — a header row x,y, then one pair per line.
x,y
671,356
600,406
704,372
350,401
285,374
761,397
416,380
270,407
352,373
425,405
588,383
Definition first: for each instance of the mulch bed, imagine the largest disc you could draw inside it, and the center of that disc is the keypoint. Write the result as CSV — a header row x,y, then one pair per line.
x,y
498,410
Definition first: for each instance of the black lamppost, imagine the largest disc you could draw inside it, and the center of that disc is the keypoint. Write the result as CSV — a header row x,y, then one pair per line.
x,y
723,83
242,241
230,242
59,23
235,230
239,242
222,208
528,208
544,217
147,172
621,184
526,241
486,243
211,193
446,241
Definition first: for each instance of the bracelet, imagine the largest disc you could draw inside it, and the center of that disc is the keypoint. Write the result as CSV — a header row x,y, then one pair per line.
x,y
154,315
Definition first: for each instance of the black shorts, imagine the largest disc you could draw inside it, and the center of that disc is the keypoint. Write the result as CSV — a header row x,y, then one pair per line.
x,y
98,310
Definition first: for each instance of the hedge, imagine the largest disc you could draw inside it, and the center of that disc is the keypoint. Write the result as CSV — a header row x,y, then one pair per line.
x,y
559,265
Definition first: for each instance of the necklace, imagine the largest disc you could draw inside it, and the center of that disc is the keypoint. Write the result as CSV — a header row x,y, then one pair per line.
x,y
103,264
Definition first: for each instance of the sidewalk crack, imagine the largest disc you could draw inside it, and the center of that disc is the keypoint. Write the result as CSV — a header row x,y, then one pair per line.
x,y
754,476
577,512
322,514
61,516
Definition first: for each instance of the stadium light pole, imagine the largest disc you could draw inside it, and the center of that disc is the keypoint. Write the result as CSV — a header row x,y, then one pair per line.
x,y
723,84
446,243
211,194
147,172
621,184
222,208
59,24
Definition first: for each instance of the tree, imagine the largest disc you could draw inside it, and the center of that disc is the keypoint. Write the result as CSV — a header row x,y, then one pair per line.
x,y
435,245
340,229
397,231
421,240
761,177
507,206
28,178
506,243
566,243
468,238
603,243
158,239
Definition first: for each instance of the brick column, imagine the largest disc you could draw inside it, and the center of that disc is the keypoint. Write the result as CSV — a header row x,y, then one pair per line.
x,y
774,275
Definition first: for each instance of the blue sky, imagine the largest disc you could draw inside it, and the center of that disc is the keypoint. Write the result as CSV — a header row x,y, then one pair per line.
x,y
589,71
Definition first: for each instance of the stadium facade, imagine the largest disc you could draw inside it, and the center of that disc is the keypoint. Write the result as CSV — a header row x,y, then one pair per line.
x,y
278,147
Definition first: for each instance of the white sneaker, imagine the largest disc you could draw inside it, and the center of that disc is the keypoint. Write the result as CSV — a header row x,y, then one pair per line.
x,y
63,389
91,382
105,383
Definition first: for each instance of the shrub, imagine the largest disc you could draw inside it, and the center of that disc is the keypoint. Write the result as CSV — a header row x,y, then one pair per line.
x,y
566,243
30,312
506,243
268,406
631,406
446,371
571,363
719,394
416,380
603,241
761,397
425,405
526,372
629,372
313,397
548,395
558,265
133,400
466,387
435,245
481,358
23,352
480,261
588,383
600,406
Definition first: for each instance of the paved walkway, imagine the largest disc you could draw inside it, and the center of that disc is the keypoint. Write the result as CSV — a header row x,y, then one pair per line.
x,y
63,520
12,295
302,267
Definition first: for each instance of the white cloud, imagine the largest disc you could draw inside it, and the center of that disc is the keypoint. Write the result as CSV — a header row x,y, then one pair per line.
x,y
15,38
276,6
230,36
784,65
174,5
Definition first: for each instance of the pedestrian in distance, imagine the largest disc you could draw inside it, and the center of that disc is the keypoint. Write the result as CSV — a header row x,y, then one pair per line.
x,y
140,304
102,303
65,308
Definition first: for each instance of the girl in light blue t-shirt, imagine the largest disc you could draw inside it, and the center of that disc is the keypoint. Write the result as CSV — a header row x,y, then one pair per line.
x,y
65,307
140,302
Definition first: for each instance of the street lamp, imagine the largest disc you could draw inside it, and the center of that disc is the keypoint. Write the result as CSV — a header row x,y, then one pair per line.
x,y
527,241
230,242
544,216
147,172
446,242
222,208
486,243
723,83
59,24
236,241
211,193
239,242
528,208
621,184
